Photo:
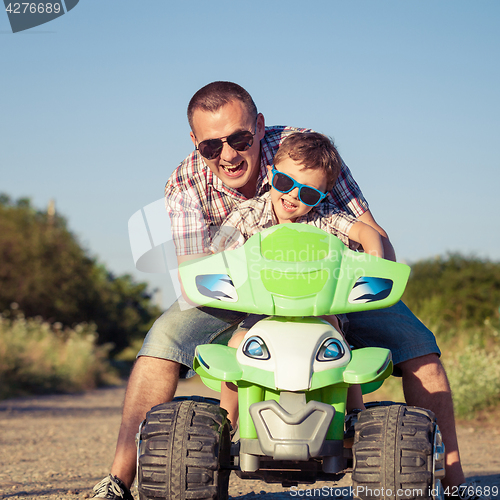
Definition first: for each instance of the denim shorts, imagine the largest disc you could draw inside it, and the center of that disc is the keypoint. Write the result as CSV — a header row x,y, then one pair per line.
x,y
396,328
176,333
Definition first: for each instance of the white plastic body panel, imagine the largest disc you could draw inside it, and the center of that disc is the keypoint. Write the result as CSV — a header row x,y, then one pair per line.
x,y
297,344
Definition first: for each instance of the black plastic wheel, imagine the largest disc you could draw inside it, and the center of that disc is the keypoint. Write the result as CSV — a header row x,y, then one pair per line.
x,y
398,454
184,451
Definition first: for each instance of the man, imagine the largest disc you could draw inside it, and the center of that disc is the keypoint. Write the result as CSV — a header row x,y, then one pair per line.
x,y
228,166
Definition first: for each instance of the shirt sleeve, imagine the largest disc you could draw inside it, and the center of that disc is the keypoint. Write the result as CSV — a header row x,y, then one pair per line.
x,y
346,195
189,229
231,234
336,223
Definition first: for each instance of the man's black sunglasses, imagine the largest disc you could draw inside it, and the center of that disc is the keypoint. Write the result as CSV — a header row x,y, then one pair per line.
x,y
239,141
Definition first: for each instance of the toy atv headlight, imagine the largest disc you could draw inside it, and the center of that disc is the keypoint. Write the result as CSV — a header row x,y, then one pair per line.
x,y
330,350
256,348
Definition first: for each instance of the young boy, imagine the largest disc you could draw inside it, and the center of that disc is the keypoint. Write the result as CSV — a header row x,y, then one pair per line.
x,y
306,167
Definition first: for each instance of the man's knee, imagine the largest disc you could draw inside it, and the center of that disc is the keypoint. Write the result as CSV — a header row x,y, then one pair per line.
x,y
156,366
428,369
429,364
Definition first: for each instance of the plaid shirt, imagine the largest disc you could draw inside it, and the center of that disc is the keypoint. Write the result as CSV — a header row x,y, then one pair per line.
x,y
252,216
198,202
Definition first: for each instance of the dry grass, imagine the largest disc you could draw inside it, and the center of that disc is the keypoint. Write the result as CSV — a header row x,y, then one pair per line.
x,y
37,357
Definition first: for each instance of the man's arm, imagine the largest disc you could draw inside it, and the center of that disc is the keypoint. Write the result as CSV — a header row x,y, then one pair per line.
x,y
389,252
184,258
348,198
227,238
189,229
368,237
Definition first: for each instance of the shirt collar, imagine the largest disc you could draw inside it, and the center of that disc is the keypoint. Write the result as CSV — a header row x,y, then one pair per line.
x,y
268,216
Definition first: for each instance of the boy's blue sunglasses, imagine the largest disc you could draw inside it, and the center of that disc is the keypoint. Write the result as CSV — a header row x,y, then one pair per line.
x,y
284,184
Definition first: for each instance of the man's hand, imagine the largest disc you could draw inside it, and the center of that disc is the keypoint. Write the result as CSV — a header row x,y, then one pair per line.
x,y
368,237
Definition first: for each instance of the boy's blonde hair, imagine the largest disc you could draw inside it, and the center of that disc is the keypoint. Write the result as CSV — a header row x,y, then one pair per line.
x,y
312,150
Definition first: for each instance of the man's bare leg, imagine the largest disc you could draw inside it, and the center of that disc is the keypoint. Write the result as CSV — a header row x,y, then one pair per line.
x,y
153,381
425,384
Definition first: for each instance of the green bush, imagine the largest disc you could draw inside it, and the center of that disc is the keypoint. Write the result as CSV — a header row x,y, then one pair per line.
x,y
37,357
473,369
474,375
458,298
454,293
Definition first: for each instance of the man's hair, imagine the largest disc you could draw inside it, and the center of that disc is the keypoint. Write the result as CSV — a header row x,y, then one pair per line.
x,y
213,96
312,150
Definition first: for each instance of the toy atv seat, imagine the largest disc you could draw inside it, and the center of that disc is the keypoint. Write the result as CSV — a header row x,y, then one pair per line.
x,y
293,370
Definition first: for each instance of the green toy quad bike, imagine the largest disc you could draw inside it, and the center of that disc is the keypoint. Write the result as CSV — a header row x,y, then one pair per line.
x,y
292,370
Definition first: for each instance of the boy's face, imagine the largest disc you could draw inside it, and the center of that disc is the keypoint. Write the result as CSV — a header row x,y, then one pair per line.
x,y
287,206
237,169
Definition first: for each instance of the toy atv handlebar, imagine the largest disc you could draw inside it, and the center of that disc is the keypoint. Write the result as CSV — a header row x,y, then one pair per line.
x,y
294,270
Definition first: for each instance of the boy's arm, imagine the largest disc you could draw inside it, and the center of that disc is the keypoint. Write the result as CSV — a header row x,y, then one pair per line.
x,y
368,237
368,219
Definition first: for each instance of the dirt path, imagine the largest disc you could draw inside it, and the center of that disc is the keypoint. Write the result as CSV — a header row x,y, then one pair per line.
x,y
55,447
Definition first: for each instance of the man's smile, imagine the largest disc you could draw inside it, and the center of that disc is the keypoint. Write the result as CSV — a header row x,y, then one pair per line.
x,y
232,170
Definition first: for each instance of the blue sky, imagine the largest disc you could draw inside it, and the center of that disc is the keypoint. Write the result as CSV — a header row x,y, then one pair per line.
x,y
93,107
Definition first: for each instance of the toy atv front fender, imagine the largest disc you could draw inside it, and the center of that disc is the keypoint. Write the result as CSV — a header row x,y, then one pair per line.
x,y
215,363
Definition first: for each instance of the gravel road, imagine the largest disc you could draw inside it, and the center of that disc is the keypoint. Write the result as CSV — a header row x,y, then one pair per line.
x,y
55,447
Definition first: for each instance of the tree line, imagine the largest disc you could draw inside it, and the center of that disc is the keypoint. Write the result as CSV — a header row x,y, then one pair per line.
x,y
44,271
455,291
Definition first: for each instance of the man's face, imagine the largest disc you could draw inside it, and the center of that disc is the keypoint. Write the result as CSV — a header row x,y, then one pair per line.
x,y
237,169
287,206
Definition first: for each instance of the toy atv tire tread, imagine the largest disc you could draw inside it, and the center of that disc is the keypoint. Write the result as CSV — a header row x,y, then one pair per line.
x,y
393,453
184,451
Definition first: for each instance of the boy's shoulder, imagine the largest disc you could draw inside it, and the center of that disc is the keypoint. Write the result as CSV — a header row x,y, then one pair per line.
x,y
252,216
